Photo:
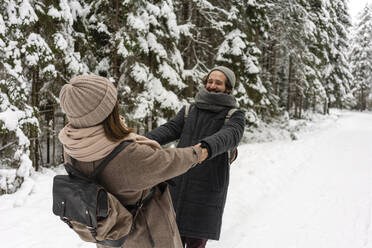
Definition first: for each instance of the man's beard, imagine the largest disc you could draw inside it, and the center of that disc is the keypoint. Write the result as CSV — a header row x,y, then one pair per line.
x,y
212,90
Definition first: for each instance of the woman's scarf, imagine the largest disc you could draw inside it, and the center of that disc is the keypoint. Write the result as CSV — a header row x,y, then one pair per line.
x,y
214,101
91,144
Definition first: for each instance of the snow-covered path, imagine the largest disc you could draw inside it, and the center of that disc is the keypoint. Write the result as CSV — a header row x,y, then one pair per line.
x,y
325,204
314,192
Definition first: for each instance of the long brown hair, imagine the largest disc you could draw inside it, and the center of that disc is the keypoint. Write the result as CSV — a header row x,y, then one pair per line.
x,y
115,130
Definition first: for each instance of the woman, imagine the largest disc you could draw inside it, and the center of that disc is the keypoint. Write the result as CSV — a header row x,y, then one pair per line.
x,y
95,128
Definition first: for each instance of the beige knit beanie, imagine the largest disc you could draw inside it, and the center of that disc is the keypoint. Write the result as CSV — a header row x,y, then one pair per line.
x,y
87,100
228,73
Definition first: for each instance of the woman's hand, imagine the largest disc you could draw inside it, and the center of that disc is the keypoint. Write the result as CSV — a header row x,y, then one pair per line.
x,y
204,153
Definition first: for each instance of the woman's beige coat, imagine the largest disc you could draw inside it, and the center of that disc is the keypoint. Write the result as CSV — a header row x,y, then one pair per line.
x,y
134,172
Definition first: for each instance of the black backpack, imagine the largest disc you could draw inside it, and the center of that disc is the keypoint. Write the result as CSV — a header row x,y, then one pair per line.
x,y
91,211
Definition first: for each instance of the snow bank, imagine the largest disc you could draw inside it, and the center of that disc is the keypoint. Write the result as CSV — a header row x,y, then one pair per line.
x,y
259,173
289,129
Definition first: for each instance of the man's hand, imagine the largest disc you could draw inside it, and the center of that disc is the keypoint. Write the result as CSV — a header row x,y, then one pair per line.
x,y
204,153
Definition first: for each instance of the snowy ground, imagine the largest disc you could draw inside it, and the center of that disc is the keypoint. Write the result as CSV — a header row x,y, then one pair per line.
x,y
314,192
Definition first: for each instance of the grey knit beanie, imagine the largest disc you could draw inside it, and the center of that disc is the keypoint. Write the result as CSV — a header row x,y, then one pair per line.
x,y
87,100
228,73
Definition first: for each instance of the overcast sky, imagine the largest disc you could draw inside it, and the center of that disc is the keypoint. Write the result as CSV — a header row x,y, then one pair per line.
x,y
357,5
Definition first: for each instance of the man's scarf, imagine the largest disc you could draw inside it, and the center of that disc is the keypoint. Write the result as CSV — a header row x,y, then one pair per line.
x,y
214,101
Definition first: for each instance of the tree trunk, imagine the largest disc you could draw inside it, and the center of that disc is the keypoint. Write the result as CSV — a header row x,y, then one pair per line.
x,y
40,155
362,100
268,60
275,70
34,146
54,137
48,146
325,109
296,102
187,56
256,36
300,107
115,66
305,102
314,102
289,100
149,122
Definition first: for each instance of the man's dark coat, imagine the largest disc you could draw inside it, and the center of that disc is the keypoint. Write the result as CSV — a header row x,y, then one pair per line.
x,y
199,195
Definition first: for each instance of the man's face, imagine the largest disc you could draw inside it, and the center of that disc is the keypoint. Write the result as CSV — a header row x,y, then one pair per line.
x,y
216,82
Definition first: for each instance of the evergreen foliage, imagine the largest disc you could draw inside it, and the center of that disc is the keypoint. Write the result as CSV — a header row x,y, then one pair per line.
x,y
288,56
151,65
361,58
239,52
17,118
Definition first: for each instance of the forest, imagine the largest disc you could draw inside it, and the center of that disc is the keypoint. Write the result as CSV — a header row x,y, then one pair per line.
x,y
289,56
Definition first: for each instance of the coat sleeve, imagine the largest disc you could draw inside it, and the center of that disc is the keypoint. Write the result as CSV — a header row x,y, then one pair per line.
x,y
149,167
169,131
227,137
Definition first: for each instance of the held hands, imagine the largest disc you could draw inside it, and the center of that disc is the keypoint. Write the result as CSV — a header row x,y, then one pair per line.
x,y
204,153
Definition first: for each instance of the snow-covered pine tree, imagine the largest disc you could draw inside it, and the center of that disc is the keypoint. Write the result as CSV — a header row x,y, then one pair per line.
x,y
37,56
288,60
361,57
311,39
328,48
299,82
36,29
67,38
202,23
239,52
43,67
271,59
345,70
95,26
337,75
134,43
57,28
276,50
17,117
315,55
151,66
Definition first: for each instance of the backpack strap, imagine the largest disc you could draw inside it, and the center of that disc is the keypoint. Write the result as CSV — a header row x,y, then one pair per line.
x,y
187,110
108,158
229,114
72,169
227,118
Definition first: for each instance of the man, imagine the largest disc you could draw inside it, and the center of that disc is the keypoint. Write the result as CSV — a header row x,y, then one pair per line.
x,y
199,195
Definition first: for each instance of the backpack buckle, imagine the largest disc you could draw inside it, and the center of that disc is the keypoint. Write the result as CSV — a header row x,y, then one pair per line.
x,y
93,231
67,221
